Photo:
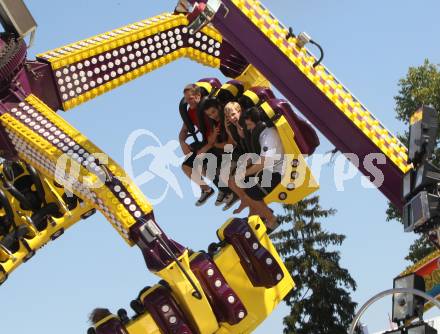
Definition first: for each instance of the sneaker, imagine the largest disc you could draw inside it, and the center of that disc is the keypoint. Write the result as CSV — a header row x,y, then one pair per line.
x,y
220,198
204,196
230,200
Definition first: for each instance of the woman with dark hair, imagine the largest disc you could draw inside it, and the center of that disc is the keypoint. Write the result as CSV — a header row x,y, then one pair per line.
x,y
211,107
218,138
193,121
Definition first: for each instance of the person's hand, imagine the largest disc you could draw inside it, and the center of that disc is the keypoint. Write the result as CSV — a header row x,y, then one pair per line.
x,y
213,136
227,122
186,149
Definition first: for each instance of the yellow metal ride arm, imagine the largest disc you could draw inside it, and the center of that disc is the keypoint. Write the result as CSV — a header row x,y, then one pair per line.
x,y
57,176
238,283
86,69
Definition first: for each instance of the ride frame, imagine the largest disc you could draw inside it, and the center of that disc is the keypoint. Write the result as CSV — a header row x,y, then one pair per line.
x,y
235,287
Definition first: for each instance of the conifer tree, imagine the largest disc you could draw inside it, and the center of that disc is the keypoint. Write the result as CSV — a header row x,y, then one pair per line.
x,y
320,302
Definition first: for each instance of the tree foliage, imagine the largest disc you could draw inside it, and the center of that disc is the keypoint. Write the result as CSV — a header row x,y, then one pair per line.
x,y
320,302
420,86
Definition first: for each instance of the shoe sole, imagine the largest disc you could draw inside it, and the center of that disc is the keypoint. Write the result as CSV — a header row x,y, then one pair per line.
x,y
228,206
201,203
219,203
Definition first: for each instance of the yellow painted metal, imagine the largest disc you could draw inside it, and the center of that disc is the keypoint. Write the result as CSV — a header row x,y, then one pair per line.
x,y
325,81
103,44
206,85
11,262
44,156
117,171
35,240
298,181
253,96
259,302
106,319
198,311
251,77
142,325
96,45
416,117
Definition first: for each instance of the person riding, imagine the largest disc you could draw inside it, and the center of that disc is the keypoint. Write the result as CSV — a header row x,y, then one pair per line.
x,y
198,121
212,108
254,181
230,91
233,127
237,132
192,96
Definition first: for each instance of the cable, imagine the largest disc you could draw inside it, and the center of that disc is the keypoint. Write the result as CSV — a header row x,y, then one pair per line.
x,y
321,50
303,39
197,294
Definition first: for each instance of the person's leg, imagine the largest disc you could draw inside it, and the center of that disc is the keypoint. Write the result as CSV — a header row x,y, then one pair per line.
x,y
195,175
260,208
224,193
252,212
246,201
253,198
257,195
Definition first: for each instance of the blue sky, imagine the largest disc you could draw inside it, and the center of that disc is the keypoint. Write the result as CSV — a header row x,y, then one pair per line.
x,y
369,45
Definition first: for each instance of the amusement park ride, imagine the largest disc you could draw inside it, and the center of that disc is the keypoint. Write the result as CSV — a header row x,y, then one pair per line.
x,y
238,282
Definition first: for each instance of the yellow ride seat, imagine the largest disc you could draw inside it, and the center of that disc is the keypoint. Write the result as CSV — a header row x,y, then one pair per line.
x,y
298,181
40,210
298,139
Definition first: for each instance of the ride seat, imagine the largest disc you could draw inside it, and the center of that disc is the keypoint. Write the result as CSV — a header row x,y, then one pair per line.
x,y
260,266
209,86
298,138
255,96
225,303
230,91
3,275
6,215
110,325
165,311
24,184
10,243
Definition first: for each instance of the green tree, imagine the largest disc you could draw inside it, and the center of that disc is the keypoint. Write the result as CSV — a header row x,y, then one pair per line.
x,y
320,302
420,86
